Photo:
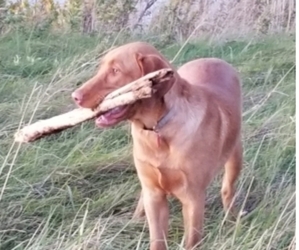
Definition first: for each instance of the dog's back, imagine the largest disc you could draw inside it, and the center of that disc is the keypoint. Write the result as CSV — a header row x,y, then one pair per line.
x,y
213,75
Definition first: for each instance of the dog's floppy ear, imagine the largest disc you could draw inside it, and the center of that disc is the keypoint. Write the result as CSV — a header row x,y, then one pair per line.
x,y
151,63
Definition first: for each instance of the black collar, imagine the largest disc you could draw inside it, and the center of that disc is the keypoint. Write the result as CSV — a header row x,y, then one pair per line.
x,y
163,121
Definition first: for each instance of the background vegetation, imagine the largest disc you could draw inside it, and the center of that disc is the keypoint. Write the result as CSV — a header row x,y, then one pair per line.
x,y
78,189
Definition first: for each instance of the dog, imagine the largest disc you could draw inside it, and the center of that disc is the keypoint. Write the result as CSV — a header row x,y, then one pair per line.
x,y
182,136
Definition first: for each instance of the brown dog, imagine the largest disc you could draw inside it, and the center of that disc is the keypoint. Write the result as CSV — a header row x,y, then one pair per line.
x,y
181,137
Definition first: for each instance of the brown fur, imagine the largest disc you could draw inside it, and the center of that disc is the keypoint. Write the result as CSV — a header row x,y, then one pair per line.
x,y
200,135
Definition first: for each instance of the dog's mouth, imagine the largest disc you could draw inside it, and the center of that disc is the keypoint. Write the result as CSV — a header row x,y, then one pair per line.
x,y
112,116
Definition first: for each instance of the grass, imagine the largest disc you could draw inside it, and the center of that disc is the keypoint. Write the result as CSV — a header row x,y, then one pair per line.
x,y
77,189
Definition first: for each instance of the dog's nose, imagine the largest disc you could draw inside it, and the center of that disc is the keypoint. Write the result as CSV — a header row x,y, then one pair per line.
x,y
77,97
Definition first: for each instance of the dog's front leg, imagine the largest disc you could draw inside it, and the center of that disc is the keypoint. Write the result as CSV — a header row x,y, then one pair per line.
x,y
193,214
157,213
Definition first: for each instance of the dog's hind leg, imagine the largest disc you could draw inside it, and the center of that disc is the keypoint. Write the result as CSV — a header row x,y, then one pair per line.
x,y
139,210
233,168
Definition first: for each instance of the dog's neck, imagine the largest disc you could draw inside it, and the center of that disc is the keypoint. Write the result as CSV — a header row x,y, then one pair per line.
x,y
159,112
151,114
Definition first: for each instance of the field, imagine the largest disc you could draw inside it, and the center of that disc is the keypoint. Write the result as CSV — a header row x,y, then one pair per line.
x,y
78,189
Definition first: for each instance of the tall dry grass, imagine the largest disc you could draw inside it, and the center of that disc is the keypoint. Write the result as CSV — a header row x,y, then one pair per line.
x,y
225,18
174,18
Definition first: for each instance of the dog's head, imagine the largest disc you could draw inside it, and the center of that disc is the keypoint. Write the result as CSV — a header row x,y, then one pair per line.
x,y
118,68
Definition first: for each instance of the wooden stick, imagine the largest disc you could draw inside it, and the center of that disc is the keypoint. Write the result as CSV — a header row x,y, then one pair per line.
x,y
143,87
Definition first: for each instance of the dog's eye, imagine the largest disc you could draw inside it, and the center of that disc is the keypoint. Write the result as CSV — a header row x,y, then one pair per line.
x,y
115,70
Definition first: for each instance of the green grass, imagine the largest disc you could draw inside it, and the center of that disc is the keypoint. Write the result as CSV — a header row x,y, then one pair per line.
x,y
77,189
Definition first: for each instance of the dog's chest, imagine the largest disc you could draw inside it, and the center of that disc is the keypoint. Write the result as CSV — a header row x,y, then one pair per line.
x,y
156,164
152,148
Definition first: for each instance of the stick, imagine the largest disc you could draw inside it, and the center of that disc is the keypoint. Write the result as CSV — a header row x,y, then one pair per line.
x,y
143,87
